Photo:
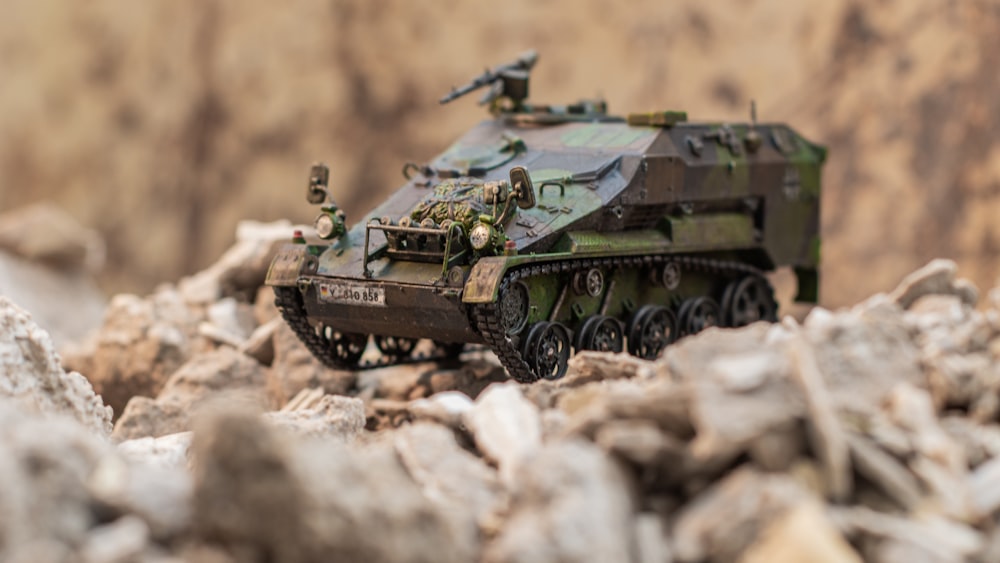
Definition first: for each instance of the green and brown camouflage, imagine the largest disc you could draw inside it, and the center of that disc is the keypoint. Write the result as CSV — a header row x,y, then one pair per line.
x,y
549,229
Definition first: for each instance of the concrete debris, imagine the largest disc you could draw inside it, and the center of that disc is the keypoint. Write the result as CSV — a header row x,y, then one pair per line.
x,y
570,503
332,417
31,374
870,433
140,344
507,427
224,371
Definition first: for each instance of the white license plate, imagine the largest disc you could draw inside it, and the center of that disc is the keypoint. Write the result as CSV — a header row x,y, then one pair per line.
x,y
352,294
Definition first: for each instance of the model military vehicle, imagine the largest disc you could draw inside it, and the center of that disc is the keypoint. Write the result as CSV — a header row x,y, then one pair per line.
x,y
551,229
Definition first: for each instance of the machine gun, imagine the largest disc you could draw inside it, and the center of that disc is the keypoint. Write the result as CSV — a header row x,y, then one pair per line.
x,y
509,80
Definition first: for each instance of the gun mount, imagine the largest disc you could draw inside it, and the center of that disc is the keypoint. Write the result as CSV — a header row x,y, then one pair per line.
x,y
507,81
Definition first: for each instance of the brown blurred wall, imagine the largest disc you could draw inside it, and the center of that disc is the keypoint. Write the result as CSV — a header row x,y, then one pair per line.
x,y
164,122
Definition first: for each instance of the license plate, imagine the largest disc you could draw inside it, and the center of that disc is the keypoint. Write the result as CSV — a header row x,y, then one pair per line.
x,y
352,294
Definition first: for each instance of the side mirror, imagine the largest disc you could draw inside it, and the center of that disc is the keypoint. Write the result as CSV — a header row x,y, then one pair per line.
x,y
319,177
523,190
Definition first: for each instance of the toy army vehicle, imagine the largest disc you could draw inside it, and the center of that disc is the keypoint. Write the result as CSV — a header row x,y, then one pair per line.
x,y
549,229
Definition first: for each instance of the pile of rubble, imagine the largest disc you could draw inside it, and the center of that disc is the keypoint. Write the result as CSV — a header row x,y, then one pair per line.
x,y
864,434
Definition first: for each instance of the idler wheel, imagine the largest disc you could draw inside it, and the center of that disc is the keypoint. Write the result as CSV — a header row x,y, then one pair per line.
x,y
601,333
347,347
547,349
652,328
748,300
395,347
697,314
514,308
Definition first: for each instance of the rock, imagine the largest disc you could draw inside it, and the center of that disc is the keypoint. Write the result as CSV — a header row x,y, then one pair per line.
x,y
247,496
937,277
445,471
224,369
448,408
168,451
294,369
929,538
728,518
571,503
984,487
828,439
353,491
506,427
737,395
471,378
141,343
651,542
118,542
395,382
232,318
334,417
260,344
940,462
979,442
586,367
638,441
144,417
863,354
884,471
47,235
804,533
30,374
207,375
45,509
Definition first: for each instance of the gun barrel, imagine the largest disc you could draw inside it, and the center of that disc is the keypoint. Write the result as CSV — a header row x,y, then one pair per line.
x,y
524,61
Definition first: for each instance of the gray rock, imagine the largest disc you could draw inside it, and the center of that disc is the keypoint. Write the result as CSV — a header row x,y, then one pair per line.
x,y
294,369
120,541
224,371
934,278
141,343
333,417
571,503
725,520
45,509
506,426
30,373
392,486
247,496
448,473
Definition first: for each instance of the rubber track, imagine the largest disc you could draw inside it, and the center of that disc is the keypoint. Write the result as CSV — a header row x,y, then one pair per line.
x,y
487,318
289,301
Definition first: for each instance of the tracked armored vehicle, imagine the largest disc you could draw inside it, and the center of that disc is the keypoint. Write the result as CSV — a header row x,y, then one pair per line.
x,y
552,229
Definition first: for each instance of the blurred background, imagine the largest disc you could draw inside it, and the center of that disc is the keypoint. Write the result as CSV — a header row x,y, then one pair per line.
x,y
162,123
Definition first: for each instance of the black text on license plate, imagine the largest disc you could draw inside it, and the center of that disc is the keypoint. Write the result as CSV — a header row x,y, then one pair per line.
x,y
353,294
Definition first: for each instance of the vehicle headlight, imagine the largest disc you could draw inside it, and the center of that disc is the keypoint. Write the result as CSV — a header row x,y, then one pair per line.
x,y
480,236
324,225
